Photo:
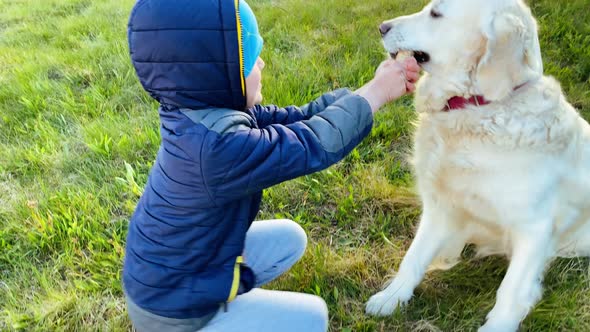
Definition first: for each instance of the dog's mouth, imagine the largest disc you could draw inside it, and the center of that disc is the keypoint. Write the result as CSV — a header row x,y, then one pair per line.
x,y
420,56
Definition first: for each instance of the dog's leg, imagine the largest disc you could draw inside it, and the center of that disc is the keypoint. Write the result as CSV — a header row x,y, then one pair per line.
x,y
450,254
521,288
430,238
582,243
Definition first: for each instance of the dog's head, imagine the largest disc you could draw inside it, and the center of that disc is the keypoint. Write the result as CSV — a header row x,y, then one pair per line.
x,y
483,47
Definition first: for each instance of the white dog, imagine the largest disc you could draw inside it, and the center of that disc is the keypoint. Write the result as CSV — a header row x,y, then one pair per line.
x,y
502,160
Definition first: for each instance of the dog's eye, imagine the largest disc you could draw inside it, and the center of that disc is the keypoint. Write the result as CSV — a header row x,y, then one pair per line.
x,y
435,14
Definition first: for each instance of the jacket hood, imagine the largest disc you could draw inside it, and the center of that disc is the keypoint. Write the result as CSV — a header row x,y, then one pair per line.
x,y
188,53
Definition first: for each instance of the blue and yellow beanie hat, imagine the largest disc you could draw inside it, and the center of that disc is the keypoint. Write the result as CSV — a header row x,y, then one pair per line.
x,y
251,40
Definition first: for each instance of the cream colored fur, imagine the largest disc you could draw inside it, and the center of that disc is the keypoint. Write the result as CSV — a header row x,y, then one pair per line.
x,y
511,177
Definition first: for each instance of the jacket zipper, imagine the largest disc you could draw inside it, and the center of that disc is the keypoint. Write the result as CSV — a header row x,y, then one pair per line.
x,y
235,283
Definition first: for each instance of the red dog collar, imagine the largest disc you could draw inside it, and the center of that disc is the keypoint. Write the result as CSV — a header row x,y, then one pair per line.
x,y
457,103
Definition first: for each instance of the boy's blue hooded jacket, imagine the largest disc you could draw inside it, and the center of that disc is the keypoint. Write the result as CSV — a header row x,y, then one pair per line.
x,y
185,241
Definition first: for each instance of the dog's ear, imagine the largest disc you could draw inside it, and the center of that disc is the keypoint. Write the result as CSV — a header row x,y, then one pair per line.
x,y
512,54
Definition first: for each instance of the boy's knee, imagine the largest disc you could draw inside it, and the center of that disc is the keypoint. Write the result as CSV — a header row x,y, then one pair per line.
x,y
295,236
318,316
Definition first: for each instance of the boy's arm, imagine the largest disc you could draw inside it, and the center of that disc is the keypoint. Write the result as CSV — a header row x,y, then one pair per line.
x,y
243,162
271,114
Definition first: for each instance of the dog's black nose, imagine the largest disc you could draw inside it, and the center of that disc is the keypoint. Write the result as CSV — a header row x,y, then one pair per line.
x,y
384,29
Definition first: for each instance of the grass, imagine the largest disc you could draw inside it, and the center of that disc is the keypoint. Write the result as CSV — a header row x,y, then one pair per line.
x,y
78,137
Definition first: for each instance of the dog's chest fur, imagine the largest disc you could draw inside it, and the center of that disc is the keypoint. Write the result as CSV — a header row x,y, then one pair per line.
x,y
498,164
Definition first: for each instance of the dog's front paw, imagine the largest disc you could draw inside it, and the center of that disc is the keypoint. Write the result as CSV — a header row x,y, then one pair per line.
x,y
492,326
384,303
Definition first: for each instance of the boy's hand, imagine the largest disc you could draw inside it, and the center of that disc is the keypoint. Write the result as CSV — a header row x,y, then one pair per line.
x,y
392,80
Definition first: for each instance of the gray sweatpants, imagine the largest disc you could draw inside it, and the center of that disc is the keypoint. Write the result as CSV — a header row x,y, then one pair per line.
x,y
271,248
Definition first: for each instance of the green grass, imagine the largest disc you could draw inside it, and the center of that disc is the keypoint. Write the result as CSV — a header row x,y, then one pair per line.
x,y
78,136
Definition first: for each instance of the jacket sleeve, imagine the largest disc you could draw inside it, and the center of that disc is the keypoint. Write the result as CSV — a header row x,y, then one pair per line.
x,y
268,115
246,161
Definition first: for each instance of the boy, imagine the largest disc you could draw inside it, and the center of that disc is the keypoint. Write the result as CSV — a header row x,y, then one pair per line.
x,y
194,258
